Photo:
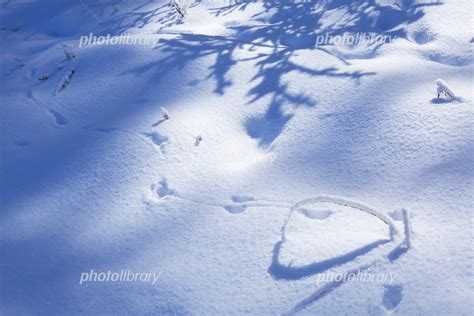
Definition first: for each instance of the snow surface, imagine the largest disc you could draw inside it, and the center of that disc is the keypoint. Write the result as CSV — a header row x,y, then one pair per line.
x,y
92,177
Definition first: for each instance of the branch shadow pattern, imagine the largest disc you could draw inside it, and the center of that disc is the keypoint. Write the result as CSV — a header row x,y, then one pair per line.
x,y
268,81
285,27
282,28
123,18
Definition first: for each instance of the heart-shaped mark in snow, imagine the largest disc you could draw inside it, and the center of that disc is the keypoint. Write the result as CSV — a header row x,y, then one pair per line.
x,y
326,232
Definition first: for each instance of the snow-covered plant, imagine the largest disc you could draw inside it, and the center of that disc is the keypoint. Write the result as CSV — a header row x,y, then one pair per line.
x,y
180,6
443,89
165,113
65,81
198,140
407,228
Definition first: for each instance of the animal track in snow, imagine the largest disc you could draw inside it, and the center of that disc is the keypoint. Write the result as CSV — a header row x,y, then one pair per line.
x,y
315,214
445,59
241,202
392,297
157,139
238,205
162,189
235,209
422,36
58,117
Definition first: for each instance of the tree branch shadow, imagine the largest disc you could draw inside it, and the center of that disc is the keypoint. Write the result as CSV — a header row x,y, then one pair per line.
x,y
283,29
280,271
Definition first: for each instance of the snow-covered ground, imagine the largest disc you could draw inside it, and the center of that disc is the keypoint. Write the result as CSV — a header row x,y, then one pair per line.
x,y
283,160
